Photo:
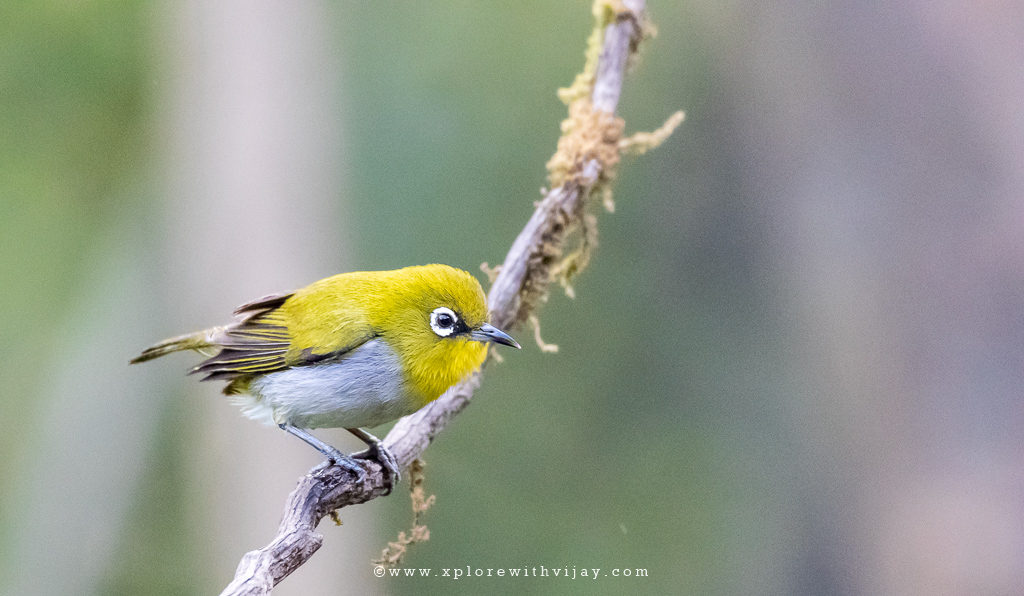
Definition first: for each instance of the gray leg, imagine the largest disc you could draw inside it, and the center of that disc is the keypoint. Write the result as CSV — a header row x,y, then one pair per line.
x,y
378,453
333,455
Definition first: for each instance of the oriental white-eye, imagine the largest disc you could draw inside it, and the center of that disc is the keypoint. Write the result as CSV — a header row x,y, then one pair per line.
x,y
353,350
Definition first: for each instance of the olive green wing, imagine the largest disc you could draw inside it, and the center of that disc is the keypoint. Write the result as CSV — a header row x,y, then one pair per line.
x,y
265,339
256,344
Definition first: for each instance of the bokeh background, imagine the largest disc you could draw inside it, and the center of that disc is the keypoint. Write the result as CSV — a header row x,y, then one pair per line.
x,y
794,366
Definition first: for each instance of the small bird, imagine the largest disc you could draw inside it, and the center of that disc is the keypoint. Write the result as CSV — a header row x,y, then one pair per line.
x,y
352,350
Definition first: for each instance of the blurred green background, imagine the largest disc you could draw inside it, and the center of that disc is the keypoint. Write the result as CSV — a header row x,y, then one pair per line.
x,y
793,367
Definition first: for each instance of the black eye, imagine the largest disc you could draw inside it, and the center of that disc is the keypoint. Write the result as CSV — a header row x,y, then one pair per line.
x,y
443,321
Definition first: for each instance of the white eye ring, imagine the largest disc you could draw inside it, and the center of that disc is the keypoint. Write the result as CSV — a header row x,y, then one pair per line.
x,y
443,321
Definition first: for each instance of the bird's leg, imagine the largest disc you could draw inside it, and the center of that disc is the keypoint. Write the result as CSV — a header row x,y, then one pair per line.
x,y
332,454
378,453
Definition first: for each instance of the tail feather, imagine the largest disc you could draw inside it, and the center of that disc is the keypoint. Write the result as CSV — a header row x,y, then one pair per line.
x,y
199,341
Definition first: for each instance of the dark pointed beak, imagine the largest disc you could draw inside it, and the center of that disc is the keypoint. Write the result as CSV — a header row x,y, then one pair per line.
x,y
488,332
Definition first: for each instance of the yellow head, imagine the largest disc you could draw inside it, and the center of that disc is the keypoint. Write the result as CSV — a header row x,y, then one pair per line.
x,y
433,316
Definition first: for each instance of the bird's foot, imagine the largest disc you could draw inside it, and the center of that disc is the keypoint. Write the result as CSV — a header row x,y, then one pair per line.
x,y
380,454
345,462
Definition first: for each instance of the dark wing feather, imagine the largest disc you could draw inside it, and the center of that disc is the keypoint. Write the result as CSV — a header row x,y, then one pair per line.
x,y
256,344
263,305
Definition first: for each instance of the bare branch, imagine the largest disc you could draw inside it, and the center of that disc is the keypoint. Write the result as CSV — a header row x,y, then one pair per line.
x,y
520,287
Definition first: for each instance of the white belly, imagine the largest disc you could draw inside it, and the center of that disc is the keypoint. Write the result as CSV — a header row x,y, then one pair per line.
x,y
364,388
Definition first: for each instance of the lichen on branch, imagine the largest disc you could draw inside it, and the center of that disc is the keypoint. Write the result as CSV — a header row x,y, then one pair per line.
x,y
392,555
590,134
